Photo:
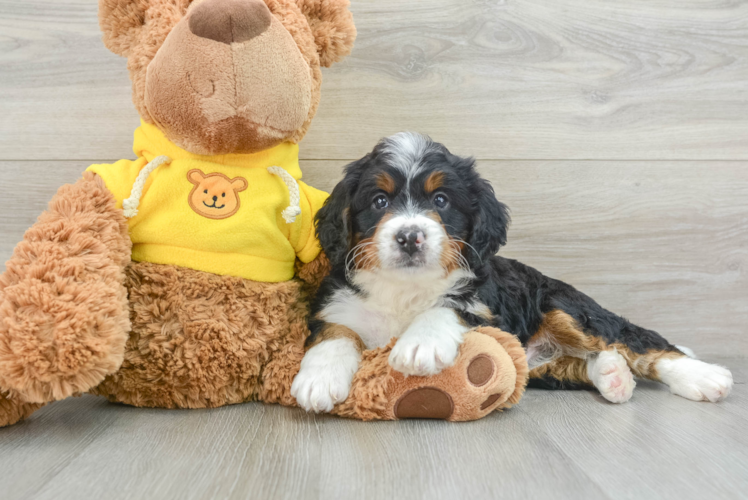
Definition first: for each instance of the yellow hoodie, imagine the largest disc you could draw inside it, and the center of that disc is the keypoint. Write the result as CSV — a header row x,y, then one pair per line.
x,y
220,214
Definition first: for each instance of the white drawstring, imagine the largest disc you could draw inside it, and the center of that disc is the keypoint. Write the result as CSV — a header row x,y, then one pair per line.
x,y
293,210
130,205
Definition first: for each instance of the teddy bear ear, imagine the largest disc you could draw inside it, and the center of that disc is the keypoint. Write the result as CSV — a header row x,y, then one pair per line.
x,y
332,26
121,21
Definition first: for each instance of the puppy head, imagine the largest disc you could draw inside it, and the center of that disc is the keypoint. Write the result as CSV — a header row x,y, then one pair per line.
x,y
411,206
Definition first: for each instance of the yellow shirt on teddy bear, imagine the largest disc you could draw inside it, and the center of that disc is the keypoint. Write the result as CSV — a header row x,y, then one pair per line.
x,y
218,214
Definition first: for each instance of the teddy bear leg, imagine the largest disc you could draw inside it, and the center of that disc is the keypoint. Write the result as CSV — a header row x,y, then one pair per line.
x,y
285,359
63,305
490,373
13,409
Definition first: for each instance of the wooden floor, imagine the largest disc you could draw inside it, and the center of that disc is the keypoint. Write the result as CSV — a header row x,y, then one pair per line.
x,y
616,131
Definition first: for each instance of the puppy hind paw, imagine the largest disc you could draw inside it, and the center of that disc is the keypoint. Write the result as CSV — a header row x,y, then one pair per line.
x,y
611,376
695,380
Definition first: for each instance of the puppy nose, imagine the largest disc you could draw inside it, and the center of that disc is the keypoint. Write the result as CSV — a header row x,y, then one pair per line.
x,y
410,240
230,21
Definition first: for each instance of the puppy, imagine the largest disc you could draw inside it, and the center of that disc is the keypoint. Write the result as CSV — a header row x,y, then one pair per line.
x,y
412,232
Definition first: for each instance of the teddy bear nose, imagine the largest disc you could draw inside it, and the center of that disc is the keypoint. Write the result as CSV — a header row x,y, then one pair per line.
x,y
230,21
215,198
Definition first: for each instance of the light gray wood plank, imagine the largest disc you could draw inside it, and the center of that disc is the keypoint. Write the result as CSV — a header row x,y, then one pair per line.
x,y
655,446
564,444
427,459
583,79
262,451
664,244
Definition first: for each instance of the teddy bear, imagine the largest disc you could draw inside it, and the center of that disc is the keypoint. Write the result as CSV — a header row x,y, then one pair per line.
x,y
182,279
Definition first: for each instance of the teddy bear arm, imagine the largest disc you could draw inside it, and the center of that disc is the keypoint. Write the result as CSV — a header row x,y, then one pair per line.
x,y
490,374
312,273
64,319
13,409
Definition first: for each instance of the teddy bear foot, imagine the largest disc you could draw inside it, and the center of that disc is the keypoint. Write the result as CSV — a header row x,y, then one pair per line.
x,y
13,409
490,373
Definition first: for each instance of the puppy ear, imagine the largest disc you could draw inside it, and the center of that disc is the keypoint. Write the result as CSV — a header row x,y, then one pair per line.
x,y
332,26
333,220
121,22
489,225
334,225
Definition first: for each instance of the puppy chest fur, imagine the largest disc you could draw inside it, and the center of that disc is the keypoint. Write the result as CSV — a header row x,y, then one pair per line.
x,y
385,306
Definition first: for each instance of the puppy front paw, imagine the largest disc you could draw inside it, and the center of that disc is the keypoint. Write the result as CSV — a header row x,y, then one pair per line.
x,y
423,354
326,375
320,391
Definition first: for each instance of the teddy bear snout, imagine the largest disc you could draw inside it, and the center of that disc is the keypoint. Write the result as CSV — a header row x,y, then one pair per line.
x,y
230,21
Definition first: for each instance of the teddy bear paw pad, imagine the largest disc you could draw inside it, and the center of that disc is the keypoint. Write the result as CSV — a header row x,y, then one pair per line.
x,y
425,402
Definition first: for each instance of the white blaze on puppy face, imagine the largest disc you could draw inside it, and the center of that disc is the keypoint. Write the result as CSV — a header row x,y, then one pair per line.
x,y
405,151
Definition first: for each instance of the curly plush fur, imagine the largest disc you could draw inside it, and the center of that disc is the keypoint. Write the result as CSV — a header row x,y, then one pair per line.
x,y
77,315
191,349
62,302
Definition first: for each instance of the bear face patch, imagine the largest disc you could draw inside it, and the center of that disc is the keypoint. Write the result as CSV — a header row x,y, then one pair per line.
x,y
215,196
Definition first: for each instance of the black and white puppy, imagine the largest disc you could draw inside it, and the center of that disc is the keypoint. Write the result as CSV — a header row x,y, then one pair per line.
x,y
412,232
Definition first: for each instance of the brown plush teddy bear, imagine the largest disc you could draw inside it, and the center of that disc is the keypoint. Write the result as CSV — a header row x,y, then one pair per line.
x,y
181,279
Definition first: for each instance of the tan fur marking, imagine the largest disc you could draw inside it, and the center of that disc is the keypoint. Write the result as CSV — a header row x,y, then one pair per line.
x,y
434,182
332,331
368,258
566,332
564,368
484,312
385,182
451,249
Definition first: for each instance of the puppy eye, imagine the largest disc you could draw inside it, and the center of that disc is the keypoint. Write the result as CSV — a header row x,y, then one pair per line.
x,y
441,200
206,191
381,202
223,195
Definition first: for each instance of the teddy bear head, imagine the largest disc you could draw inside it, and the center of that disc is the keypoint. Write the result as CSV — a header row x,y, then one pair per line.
x,y
228,76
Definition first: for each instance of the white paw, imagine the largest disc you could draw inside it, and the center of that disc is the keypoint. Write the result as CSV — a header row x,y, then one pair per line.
x,y
424,353
694,379
326,374
611,376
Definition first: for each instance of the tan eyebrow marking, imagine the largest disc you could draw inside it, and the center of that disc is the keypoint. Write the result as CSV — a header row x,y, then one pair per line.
x,y
385,182
434,182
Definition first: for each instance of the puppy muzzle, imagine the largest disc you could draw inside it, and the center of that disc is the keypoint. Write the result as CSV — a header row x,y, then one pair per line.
x,y
406,242
410,240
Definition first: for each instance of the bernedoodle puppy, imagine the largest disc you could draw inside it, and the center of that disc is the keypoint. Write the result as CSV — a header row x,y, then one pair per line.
x,y
412,232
